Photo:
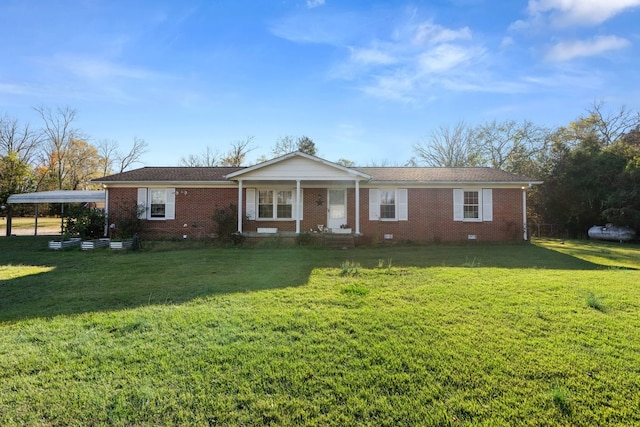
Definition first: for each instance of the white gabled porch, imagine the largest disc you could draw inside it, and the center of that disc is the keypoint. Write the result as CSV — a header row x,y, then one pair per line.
x,y
273,190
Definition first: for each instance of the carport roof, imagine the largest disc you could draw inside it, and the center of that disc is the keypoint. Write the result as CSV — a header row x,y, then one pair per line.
x,y
59,196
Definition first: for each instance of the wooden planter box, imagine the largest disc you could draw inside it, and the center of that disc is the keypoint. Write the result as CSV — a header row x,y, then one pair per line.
x,y
57,245
94,244
122,244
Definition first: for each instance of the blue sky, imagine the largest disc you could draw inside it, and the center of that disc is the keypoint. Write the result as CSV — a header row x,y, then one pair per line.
x,y
364,79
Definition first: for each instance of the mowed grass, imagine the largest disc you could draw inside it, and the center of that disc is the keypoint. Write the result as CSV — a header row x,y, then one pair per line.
x,y
539,334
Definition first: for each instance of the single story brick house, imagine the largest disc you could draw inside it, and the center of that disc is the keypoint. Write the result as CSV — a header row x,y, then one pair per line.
x,y
298,193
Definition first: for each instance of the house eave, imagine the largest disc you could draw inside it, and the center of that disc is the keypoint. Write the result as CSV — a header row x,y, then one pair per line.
x,y
453,184
155,183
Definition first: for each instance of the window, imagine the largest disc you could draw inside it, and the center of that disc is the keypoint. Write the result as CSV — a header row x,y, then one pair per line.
x,y
388,204
473,205
274,204
284,204
158,203
265,204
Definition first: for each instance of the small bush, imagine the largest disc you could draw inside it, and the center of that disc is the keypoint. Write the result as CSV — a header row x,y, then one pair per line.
x,y
594,302
560,399
226,220
349,268
126,219
471,263
84,221
355,289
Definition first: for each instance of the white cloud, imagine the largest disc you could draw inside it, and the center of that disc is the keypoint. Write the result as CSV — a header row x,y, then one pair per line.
x,y
430,33
444,58
372,56
567,50
579,12
99,69
314,3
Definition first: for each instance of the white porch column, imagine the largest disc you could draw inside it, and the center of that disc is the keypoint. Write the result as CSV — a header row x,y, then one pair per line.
x,y
298,204
524,214
239,206
357,207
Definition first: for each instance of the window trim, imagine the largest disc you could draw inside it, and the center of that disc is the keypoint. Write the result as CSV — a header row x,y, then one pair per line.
x,y
253,199
144,199
485,204
400,200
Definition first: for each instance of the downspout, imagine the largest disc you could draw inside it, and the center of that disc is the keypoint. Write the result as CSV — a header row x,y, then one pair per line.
x,y
106,212
240,206
298,206
357,207
524,214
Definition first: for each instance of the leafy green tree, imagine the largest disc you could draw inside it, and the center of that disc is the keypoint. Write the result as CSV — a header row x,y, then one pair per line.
x,y
15,176
306,145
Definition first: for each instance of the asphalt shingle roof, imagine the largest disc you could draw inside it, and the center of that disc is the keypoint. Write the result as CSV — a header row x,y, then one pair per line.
x,y
420,174
378,174
172,174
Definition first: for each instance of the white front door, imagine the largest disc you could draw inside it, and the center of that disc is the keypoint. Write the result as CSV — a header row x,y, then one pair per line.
x,y
336,208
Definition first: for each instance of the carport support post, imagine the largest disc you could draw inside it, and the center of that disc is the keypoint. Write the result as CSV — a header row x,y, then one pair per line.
x,y
35,231
9,216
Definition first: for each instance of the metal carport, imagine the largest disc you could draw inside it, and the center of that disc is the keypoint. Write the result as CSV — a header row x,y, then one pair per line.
x,y
58,196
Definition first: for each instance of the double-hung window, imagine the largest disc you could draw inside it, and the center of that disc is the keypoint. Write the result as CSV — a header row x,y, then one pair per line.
x,y
157,203
388,204
473,205
273,204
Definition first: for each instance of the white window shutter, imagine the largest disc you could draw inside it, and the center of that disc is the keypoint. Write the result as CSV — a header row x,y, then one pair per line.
x,y
487,204
142,202
374,205
170,204
250,203
403,204
458,204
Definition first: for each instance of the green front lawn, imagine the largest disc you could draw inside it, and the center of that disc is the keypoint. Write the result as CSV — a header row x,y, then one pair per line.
x,y
543,334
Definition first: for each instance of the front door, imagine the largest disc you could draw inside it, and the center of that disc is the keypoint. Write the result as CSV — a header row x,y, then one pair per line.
x,y
336,208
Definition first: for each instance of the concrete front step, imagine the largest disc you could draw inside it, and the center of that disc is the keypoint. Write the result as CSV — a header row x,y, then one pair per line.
x,y
339,241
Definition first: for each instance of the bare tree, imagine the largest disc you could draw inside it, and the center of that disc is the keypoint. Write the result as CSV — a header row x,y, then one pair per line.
x,y
58,132
134,155
611,126
284,145
108,153
238,152
448,147
510,145
19,139
208,157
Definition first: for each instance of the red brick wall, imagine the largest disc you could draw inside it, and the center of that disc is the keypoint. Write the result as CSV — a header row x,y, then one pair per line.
x,y
430,215
431,218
